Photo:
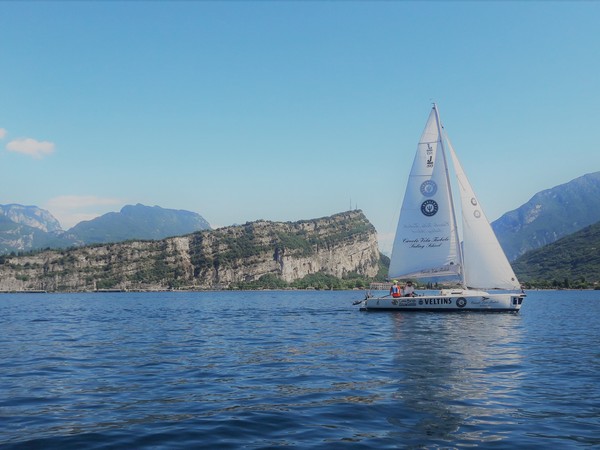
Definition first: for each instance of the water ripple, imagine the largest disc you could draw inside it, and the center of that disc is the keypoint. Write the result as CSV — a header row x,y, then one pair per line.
x,y
294,370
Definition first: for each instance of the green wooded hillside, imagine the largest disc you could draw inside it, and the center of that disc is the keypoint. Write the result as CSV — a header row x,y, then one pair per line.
x,y
573,261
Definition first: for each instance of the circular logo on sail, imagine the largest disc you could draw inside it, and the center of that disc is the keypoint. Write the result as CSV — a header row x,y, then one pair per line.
x,y
473,201
428,188
429,207
477,214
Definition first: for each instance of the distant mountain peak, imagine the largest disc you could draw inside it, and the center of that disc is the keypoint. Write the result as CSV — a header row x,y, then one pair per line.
x,y
32,216
24,228
549,215
139,222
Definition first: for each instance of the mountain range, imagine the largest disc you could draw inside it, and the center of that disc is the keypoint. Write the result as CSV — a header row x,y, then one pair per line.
x,y
31,216
547,217
550,215
25,228
138,222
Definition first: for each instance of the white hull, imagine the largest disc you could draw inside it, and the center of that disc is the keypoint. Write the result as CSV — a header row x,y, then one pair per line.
x,y
447,301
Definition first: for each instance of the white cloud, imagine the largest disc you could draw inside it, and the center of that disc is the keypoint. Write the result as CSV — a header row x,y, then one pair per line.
x,y
72,209
2,133
31,147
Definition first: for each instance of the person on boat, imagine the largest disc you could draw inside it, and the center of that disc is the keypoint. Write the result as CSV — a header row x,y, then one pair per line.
x,y
409,290
395,290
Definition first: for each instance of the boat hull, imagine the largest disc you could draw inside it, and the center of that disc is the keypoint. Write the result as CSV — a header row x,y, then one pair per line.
x,y
481,302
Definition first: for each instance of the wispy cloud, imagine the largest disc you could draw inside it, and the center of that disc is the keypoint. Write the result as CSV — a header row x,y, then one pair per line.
x,y
2,133
31,147
81,201
72,209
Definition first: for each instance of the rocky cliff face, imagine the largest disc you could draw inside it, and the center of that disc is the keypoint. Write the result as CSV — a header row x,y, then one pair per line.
x,y
338,245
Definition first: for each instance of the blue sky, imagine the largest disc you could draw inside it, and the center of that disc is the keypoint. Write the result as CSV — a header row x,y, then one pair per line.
x,y
289,110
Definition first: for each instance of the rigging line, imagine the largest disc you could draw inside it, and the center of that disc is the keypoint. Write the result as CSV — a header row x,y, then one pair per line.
x,y
441,134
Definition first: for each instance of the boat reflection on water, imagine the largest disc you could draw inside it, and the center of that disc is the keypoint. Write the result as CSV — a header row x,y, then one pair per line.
x,y
458,374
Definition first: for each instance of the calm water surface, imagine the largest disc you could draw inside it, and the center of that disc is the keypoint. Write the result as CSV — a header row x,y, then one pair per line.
x,y
295,370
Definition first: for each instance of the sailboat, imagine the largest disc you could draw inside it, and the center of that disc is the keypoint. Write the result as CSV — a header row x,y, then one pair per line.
x,y
427,244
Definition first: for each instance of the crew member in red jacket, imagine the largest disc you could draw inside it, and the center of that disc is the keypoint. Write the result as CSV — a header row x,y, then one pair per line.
x,y
395,290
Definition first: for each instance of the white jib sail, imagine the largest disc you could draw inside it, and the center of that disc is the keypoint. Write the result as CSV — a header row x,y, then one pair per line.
x,y
425,245
485,264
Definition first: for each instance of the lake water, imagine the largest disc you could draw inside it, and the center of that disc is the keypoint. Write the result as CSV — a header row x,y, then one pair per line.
x,y
295,370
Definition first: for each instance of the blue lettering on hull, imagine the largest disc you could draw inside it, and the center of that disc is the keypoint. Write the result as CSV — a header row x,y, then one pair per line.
x,y
435,301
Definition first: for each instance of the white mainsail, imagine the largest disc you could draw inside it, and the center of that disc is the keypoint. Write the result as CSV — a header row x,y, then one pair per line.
x,y
426,243
485,264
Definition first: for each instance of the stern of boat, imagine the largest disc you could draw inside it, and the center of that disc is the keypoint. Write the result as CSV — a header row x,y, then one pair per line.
x,y
516,300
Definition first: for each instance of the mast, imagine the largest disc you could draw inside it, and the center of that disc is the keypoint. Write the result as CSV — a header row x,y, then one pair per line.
x,y
454,223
